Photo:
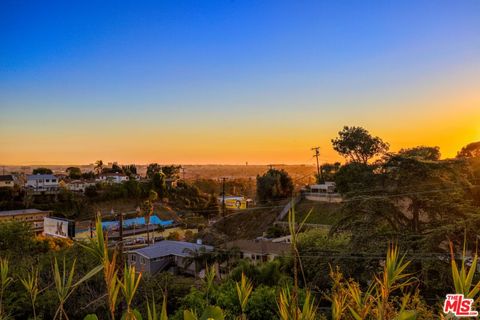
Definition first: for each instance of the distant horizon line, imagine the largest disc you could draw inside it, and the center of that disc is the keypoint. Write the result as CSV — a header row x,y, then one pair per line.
x,y
165,164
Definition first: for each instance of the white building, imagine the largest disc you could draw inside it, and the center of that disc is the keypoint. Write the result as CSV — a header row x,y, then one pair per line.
x,y
259,250
42,182
112,177
79,185
325,192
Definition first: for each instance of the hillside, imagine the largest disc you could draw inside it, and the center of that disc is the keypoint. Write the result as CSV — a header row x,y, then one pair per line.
x,y
322,212
248,224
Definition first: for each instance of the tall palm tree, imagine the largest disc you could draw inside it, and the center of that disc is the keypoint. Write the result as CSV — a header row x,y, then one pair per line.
x,y
98,166
147,208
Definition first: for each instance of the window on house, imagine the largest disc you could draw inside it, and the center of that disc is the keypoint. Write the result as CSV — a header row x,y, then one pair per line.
x,y
142,260
47,180
133,258
54,180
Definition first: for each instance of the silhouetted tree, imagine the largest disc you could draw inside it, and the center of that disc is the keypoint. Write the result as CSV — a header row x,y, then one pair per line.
x,y
74,172
42,171
422,152
357,145
129,170
98,167
471,150
328,171
274,184
158,183
171,172
153,168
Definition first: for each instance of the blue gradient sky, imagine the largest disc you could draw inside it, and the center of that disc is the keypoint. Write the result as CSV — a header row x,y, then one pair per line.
x,y
233,81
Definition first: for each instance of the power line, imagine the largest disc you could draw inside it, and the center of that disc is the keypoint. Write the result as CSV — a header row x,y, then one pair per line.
x,y
343,201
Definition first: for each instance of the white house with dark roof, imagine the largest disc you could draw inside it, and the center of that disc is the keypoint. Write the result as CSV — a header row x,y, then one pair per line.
x,y
259,250
79,185
112,177
7,181
42,182
169,256
324,192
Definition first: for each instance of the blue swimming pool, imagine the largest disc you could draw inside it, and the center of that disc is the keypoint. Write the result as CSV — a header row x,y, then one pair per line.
x,y
137,222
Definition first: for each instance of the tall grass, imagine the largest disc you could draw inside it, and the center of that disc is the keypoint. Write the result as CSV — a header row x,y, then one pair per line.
x,y
5,282
376,302
129,287
463,276
64,285
30,283
244,290
288,304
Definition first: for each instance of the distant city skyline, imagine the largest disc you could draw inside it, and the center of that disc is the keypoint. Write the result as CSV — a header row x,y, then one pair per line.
x,y
229,82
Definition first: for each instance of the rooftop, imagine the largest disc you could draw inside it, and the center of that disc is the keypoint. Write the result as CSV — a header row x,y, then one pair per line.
x,y
113,174
168,247
40,176
21,212
7,177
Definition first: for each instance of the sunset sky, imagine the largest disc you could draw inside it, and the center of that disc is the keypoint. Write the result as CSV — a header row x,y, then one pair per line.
x,y
233,81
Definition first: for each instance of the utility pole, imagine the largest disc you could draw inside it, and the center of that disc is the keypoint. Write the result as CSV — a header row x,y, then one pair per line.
x,y
120,236
223,199
316,155
91,229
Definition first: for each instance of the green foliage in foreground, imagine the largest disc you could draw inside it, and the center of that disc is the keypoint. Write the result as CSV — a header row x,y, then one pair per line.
x,y
96,286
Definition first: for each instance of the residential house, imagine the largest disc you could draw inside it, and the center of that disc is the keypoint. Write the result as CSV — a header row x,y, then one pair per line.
x,y
173,256
284,239
324,192
79,185
33,216
259,250
112,177
42,183
7,181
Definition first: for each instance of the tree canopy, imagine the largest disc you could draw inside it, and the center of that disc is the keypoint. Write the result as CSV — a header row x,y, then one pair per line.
x,y
356,144
42,171
471,150
153,168
274,184
74,172
422,152
417,200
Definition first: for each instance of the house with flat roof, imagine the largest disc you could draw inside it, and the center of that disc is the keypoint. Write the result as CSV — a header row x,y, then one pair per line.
x,y
79,185
42,183
323,192
112,177
259,250
7,181
172,256
33,216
